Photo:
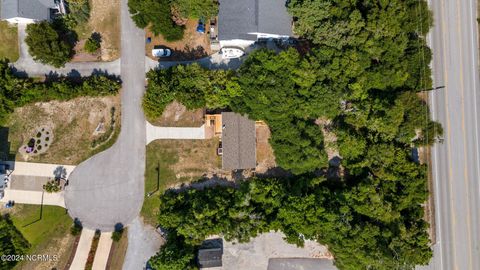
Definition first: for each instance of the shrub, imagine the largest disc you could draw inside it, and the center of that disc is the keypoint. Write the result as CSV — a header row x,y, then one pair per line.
x,y
117,235
92,45
79,11
76,228
52,186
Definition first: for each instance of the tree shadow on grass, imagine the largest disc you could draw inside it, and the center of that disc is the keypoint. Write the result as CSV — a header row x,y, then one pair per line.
x,y
39,217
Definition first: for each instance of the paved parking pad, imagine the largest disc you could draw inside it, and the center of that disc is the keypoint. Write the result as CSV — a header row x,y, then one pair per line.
x,y
300,264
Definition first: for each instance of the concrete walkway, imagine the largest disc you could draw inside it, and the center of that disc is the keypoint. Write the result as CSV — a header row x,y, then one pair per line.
x,y
34,197
83,248
103,251
27,180
40,169
183,133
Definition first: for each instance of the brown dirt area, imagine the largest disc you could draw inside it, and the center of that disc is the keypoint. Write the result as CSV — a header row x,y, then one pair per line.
x,y
195,158
61,246
118,252
73,123
177,115
265,156
105,20
193,46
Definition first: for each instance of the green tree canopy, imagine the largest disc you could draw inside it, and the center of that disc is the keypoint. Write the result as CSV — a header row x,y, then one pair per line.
x,y
12,242
196,8
46,45
157,14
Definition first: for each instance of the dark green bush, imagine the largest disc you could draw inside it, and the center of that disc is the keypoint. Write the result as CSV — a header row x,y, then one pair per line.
x,y
92,45
157,15
76,228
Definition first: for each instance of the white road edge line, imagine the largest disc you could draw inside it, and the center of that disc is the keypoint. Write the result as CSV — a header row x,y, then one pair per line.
x,y
438,219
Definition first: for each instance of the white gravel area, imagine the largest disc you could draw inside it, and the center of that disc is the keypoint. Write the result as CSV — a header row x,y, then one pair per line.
x,y
143,242
255,254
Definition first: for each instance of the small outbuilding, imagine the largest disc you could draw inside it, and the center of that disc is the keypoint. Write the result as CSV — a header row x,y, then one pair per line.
x,y
238,142
209,257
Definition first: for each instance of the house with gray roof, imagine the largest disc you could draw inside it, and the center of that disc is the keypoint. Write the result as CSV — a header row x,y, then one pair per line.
x,y
242,22
30,11
238,142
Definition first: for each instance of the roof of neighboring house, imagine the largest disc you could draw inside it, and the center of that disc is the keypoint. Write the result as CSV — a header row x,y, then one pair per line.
x,y
211,257
239,18
30,9
238,142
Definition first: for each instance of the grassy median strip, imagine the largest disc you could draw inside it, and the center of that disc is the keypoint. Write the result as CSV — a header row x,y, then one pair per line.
x,y
93,250
118,252
9,44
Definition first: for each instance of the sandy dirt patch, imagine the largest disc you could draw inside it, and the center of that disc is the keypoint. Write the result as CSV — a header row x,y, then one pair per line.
x,y
74,124
193,46
265,156
104,20
177,115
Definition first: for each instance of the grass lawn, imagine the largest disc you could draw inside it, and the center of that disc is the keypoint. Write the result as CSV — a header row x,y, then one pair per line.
x,y
47,229
9,43
118,252
171,162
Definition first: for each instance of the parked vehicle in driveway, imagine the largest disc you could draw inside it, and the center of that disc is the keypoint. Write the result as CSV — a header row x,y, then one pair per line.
x,y
201,26
231,52
161,53
161,231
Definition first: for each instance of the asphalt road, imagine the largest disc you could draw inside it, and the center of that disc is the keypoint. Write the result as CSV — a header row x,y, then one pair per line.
x,y
109,187
455,163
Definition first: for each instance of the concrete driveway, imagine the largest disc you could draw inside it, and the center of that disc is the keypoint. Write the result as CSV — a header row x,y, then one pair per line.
x,y
184,133
108,188
25,65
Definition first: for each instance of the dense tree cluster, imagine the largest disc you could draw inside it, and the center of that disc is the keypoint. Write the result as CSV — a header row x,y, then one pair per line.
x,y
16,92
48,44
366,69
196,8
12,242
191,85
161,15
157,15
364,227
79,12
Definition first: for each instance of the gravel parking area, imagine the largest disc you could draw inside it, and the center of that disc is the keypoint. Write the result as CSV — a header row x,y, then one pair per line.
x,y
255,255
300,264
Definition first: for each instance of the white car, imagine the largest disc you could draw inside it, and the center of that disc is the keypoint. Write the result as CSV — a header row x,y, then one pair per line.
x,y
161,52
229,53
